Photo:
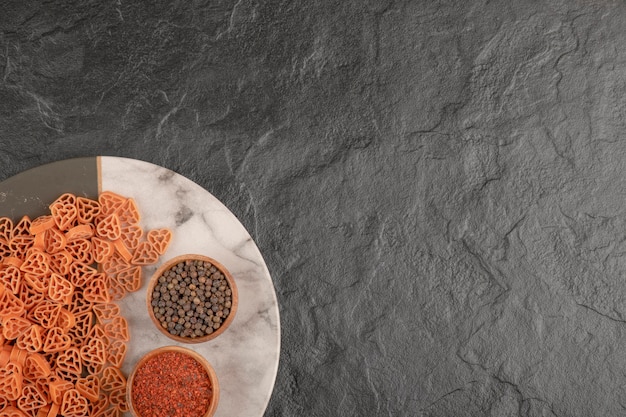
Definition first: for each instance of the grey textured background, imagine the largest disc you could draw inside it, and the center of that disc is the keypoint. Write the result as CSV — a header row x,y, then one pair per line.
x,y
437,187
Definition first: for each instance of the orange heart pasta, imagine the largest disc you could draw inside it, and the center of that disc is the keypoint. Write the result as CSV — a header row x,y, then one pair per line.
x,y
62,337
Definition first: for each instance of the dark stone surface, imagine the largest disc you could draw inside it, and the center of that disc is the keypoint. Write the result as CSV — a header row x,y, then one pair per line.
x,y
437,187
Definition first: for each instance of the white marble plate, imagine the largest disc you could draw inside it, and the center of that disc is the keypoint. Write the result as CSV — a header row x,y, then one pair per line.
x,y
245,357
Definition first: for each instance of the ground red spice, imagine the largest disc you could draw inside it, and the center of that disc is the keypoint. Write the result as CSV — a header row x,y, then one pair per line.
x,y
171,384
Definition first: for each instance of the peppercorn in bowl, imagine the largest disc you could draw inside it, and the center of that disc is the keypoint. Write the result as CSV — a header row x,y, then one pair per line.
x,y
192,298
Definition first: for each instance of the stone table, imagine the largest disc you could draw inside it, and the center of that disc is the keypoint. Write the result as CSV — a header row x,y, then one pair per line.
x,y
436,187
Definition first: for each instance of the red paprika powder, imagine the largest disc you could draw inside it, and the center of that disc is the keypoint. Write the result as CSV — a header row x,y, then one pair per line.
x,y
171,384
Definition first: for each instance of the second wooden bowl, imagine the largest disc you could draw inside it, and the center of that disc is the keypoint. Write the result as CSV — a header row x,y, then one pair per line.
x,y
130,386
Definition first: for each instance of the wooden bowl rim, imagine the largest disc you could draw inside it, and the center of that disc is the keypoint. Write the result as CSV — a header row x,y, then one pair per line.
x,y
195,257
163,349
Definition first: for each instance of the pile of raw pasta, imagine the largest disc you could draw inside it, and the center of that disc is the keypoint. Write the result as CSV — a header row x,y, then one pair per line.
x,y
63,339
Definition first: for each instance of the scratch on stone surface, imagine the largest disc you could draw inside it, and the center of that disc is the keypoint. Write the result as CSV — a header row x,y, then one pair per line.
x,y
570,51
231,21
484,265
259,142
173,111
460,389
600,314
371,385
7,67
119,11
46,114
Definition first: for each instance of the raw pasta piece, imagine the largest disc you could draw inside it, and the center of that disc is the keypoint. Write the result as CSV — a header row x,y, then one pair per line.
x,y
160,239
10,304
101,403
11,381
36,367
69,360
37,282
97,332
55,409
60,289
42,385
94,368
122,250
36,262
65,199
51,358
145,254
29,297
117,397
41,224
82,231
128,212
31,398
60,262
46,314
13,261
117,329
5,249
110,201
56,340
115,264
94,351
58,387
106,311
54,240
131,235
74,404
14,326
88,209
101,249
39,241
79,304
13,412
64,216
66,319
81,274
6,228
32,339
116,353
93,354
64,211
5,355
89,387
112,379
18,356
96,290
11,277
80,250
130,278
43,411
22,227
109,227
81,329
20,244
116,290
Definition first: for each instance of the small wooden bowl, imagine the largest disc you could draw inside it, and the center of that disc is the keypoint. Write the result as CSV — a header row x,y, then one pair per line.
x,y
193,257
205,364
